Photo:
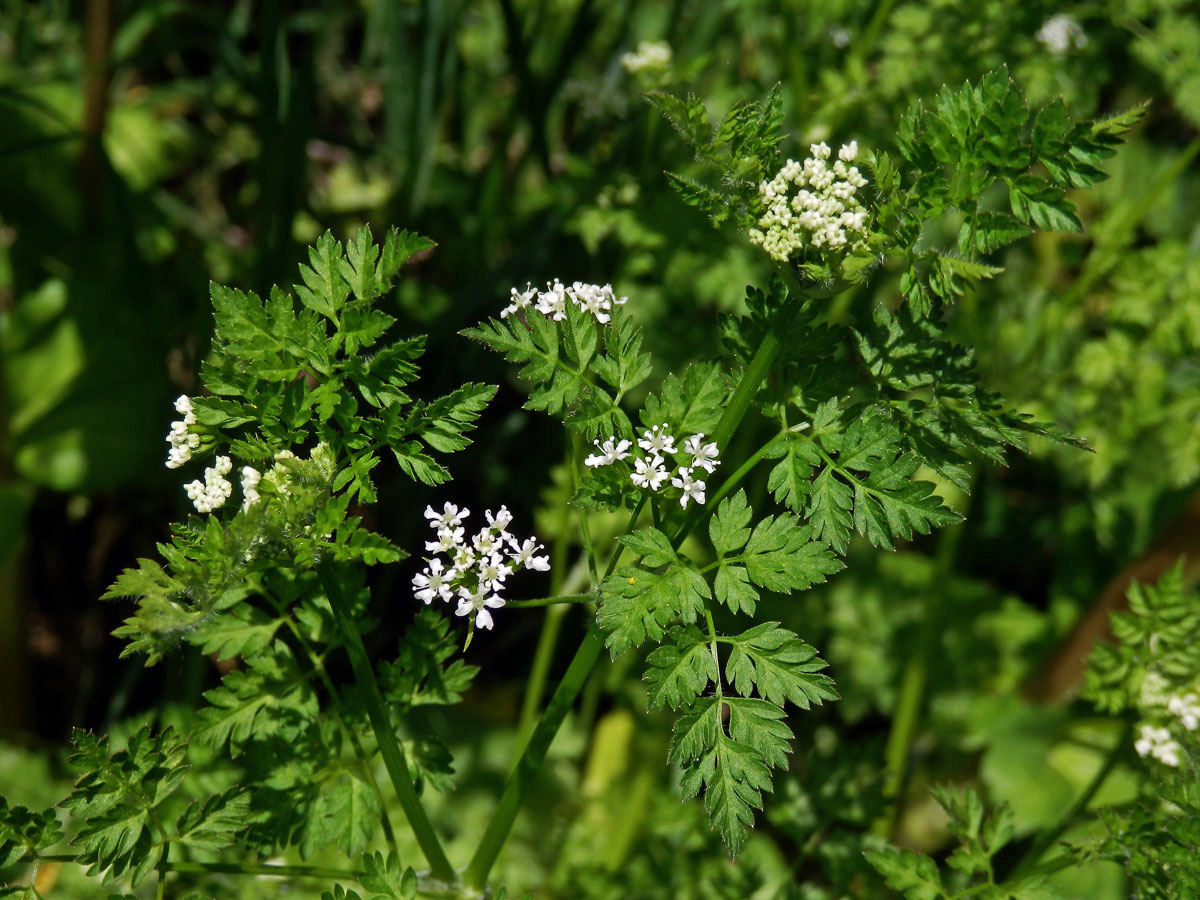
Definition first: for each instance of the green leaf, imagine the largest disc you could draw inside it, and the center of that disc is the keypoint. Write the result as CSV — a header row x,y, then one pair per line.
x,y
324,289
270,697
117,796
217,822
24,832
386,878
637,603
775,663
688,405
680,669
344,813
424,671
778,554
905,870
733,769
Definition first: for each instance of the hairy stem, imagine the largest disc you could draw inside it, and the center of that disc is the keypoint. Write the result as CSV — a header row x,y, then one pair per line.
x,y
385,735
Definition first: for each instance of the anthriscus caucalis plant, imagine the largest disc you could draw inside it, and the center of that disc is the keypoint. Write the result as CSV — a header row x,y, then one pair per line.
x,y
870,426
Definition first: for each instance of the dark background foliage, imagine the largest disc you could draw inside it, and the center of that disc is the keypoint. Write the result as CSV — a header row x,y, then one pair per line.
x,y
151,147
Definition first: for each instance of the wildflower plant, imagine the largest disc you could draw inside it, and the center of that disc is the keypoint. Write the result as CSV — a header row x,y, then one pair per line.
x,y
307,393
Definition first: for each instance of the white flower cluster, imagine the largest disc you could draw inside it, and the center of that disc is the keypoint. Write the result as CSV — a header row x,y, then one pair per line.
x,y
478,566
1061,33
823,212
596,299
1187,708
649,56
1157,742
215,489
182,441
649,467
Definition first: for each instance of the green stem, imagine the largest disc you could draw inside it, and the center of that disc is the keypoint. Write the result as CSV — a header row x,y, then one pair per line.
x,y
385,735
542,657
318,665
550,601
593,642
909,704
531,760
743,396
1047,839
268,869
584,527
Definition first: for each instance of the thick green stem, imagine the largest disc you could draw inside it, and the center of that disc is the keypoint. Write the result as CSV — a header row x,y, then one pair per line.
x,y
593,642
385,735
531,760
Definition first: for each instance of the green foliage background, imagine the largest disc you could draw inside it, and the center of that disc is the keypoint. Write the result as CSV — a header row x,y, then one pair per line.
x,y
151,148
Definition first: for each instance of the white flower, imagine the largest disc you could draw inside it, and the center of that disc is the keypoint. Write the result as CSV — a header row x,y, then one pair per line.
x,y
657,440
250,479
819,151
610,451
486,541
1060,33
553,301
849,152
520,300
1157,742
703,455
448,540
464,557
649,472
649,56
434,581
449,517
500,521
692,489
1187,708
478,601
522,555
216,488
492,571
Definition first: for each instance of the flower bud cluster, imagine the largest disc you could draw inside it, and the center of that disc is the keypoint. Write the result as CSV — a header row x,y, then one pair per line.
x,y
182,440
824,211
212,493
596,299
478,566
649,466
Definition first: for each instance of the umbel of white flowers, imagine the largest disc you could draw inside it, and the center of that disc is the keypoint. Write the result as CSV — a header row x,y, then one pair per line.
x,y
650,471
597,299
824,211
478,566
